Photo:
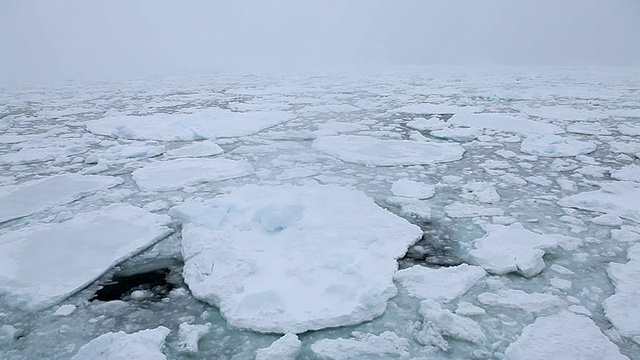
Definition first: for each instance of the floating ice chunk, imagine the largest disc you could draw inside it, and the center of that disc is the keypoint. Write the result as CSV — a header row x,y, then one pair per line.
x,y
336,127
30,155
623,307
632,147
607,220
457,134
539,180
423,124
443,284
144,344
629,129
614,198
334,265
483,192
387,345
8,333
563,336
462,210
556,146
566,184
133,151
627,173
37,195
505,249
436,109
561,284
468,309
520,300
189,336
412,189
438,322
176,174
285,348
44,264
197,149
205,124
371,151
412,208
588,128
504,123
556,112
65,310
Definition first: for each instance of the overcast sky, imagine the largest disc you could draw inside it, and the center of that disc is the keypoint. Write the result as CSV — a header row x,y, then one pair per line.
x,y
59,39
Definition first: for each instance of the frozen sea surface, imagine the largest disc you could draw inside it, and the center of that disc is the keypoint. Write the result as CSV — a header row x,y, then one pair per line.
x,y
412,213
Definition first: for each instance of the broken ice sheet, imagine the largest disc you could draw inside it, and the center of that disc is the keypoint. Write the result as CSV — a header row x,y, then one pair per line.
x,y
43,264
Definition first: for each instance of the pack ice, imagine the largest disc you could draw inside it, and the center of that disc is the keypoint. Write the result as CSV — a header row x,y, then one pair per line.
x,y
287,259
43,264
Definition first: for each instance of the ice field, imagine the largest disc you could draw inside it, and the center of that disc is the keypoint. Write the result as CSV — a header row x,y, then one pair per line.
x,y
413,213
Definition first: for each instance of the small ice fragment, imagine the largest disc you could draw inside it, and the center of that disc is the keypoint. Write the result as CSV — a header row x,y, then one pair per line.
x,y
144,344
190,335
65,310
285,348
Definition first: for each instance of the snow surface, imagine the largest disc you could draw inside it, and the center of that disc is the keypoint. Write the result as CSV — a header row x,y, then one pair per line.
x,y
41,194
377,152
176,174
144,344
334,268
46,263
562,336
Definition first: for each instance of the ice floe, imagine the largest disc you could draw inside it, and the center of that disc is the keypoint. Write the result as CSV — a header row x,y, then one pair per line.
x,y
379,152
285,348
41,194
334,263
436,109
178,173
43,264
189,335
387,345
556,146
144,344
439,322
197,149
627,173
505,249
412,189
623,307
443,284
203,124
619,199
504,123
534,303
563,336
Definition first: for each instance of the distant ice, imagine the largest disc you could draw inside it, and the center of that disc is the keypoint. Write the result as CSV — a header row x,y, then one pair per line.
x,y
336,254
285,348
505,249
203,124
44,264
556,146
41,194
144,344
623,307
443,284
176,174
387,345
614,198
560,337
505,123
433,109
378,152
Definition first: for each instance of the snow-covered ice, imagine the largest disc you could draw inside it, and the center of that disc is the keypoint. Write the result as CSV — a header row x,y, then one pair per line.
x,y
380,152
285,348
189,335
387,345
443,284
41,194
144,344
439,322
46,263
334,268
556,146
521,300
563,336
176,174
412,189
619,199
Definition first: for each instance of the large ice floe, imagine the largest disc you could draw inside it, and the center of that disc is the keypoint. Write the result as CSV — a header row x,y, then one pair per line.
x,y
382,152
293,258
203,124
41,194
176,174
44,264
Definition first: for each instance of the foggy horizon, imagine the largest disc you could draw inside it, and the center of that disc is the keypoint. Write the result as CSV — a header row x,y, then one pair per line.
x,y
47,40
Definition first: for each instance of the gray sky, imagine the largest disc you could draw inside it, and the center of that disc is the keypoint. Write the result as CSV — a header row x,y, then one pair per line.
x,y
59,39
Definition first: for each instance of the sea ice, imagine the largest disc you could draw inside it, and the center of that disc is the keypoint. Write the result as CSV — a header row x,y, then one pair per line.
x,y
443,284
505,249
43,264
439,322
563,336
619,199
589,128
204,124
433,109
627,173
336,254
144,344
462,210
623,307
196,149
378,152
520,300
189,336
411,207
285,348
423,124
387,345
556,146
459,134
504,123
176,174
41,194
412,189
